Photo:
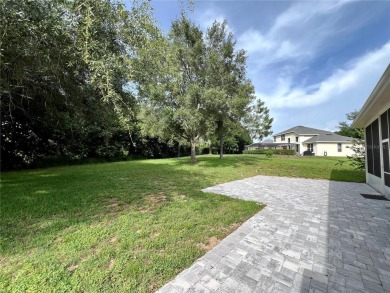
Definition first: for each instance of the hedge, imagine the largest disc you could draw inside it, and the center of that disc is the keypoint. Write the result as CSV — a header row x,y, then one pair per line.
x,y
264,151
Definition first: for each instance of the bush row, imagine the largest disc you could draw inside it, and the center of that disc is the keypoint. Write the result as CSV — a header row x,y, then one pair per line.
x,y
265,151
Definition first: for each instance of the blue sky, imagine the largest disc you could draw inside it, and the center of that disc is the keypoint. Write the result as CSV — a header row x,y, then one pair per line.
x,y
310,61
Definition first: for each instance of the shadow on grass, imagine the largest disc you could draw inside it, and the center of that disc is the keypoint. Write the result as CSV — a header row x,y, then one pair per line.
x,y
42,202
129,226
230,160
347,175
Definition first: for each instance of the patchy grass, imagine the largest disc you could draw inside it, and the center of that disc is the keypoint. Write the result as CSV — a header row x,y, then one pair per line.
x,y
127,226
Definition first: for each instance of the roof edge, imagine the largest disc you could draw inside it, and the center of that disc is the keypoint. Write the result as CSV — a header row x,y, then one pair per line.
x,y
383,82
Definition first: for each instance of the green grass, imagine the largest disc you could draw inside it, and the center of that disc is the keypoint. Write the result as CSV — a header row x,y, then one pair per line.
x,y
127,226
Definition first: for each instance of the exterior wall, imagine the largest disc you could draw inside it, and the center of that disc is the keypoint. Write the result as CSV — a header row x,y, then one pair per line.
x,y
292,136
332,149
376,138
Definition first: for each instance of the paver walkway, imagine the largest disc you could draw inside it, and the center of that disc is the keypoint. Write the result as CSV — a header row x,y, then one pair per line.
x,y
313,236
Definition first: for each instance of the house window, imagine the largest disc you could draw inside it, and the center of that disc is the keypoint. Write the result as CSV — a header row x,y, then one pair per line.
x,y
288,140
310,147
296,139
283,137
274,138
339,147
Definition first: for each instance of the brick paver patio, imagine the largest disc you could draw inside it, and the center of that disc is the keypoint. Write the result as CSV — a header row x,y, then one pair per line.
x,y
313,236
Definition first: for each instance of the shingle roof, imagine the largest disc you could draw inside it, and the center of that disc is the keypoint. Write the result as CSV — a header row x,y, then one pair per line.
x,y
302,130
319,135
328,137
267,141
264,142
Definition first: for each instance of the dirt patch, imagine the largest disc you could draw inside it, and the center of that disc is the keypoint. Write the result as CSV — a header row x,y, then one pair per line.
x,y
72,267
153,287
213,241
113,239
154,235
96,251
111,264
151,202
233,227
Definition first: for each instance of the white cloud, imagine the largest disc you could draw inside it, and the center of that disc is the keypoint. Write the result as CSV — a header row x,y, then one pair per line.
x,y
297,34
358,77
206,18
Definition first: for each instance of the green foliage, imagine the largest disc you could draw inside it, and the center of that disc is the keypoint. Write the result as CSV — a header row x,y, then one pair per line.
x,y
173,94
65,67
358,159
266,151
346,129
269,153
258,122
79,79
231,92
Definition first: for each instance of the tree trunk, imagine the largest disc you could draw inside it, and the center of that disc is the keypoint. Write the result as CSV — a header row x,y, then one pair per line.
x,y
178,150
221,147
210,149
193,151
221,138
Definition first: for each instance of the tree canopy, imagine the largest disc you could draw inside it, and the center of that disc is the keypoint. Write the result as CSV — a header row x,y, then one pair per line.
x,y
94,78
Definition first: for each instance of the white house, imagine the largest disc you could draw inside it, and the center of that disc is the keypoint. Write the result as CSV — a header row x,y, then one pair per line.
x,y
319,142
374,117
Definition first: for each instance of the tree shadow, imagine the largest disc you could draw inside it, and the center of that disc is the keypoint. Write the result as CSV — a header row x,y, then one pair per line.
x,y
40,203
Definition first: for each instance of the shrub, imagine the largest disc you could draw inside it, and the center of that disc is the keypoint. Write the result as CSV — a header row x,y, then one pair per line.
x,y
269,153
265,151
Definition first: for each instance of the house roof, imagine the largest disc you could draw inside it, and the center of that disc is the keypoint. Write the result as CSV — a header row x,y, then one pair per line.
x,y
264,142
267,141
318,135
303,130
375,102
328,137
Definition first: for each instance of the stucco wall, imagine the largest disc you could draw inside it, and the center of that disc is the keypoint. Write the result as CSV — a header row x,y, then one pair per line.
x,y
331,149
290,136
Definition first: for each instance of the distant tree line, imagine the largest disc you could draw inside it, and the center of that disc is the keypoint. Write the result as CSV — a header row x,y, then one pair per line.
x,y
92,78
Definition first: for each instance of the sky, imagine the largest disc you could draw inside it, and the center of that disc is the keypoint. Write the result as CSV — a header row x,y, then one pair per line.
x,y
311,62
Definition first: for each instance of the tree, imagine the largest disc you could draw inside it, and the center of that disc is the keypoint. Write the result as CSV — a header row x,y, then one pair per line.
x,y
358,145
174,94
231,92
64,70
345,128
258,121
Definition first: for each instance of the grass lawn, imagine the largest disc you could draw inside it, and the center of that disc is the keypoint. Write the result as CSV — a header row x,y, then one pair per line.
x,y
127,226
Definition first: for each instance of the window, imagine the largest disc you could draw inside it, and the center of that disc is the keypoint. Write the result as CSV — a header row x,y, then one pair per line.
x,y
288,140
310,147
283,137
296,139
339,148
274,138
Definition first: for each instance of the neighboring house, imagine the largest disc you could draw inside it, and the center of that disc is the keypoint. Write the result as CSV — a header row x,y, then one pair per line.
x,y
320,142
265,144
374,117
